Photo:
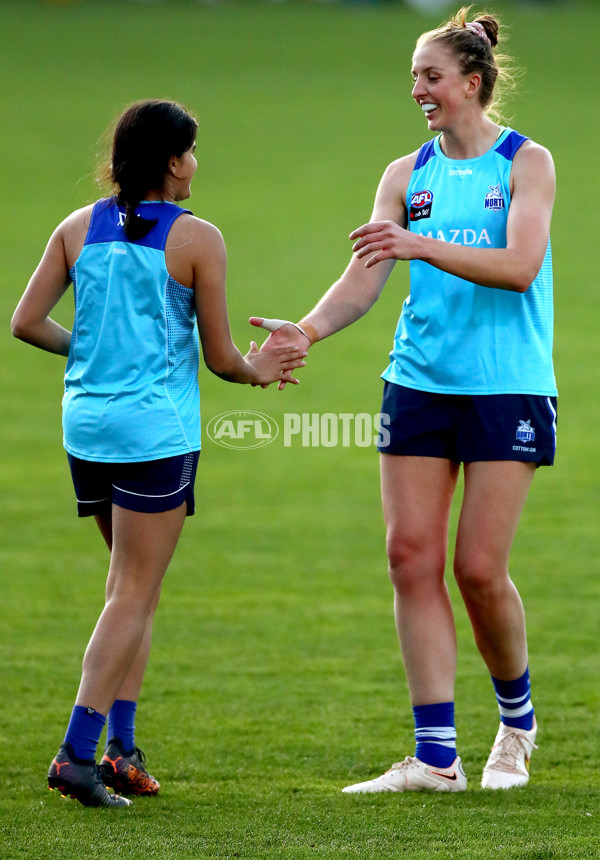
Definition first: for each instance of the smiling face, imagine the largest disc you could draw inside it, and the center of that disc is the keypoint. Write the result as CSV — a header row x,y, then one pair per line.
x,y
440,88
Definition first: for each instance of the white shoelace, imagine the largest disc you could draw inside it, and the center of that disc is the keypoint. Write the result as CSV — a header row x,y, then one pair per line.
x,y
505,755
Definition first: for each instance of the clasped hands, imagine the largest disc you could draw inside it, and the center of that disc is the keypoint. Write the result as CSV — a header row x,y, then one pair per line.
x,y
282,333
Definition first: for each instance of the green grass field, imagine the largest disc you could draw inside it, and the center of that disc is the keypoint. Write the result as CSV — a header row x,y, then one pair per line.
x,y
275,677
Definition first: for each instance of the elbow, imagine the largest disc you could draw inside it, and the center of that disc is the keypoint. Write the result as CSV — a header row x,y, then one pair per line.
x,y
524,274
518,282
18,327
525,279
521,286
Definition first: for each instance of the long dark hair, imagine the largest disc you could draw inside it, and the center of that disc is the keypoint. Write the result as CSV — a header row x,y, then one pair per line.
x,y
146,135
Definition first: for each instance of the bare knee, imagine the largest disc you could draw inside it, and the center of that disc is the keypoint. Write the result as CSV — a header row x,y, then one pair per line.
x,y
481,577
126,597
413,563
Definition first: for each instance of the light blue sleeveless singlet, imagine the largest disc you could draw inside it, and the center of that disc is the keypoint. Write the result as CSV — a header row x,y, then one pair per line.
x,y
454,336
131,382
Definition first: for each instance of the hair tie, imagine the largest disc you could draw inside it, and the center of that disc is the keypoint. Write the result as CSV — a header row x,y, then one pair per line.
x,y
479,30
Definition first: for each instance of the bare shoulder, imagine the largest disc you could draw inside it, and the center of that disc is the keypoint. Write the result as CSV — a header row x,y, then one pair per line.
x,y
533,169
397,174
533,156
76,221
193,245
390,201
194,231
72,232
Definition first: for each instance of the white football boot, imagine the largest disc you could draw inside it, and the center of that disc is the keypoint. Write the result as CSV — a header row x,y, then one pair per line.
x,y
508,764
414,775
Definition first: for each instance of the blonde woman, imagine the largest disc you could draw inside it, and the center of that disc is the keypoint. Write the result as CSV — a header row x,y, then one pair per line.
x,y
470,383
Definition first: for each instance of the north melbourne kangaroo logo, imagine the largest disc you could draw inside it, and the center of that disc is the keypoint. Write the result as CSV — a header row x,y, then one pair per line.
x,y
525,432
494,199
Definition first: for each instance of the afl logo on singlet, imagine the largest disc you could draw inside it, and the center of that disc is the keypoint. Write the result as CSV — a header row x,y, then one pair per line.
x,y
420,205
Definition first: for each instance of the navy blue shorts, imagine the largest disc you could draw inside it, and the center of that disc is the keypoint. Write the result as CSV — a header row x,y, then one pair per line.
x,y
150,487
468,428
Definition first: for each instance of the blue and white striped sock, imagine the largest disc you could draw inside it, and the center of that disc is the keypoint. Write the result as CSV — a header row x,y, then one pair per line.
x,y
514,701
435,734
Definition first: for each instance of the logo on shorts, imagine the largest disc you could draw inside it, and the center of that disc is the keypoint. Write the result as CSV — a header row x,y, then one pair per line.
x,y
243,429
420,205
494,199
525,432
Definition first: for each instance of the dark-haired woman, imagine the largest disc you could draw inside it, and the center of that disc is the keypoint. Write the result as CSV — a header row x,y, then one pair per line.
x,y
470,381
146,276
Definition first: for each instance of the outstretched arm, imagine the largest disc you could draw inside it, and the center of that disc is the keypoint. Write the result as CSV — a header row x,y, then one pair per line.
x,y
359,287
222,357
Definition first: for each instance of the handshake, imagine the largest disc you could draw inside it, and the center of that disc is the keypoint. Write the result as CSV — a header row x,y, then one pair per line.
x,y
284,334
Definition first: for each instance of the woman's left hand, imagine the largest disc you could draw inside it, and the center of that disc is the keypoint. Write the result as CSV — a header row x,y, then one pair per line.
x,y
384,240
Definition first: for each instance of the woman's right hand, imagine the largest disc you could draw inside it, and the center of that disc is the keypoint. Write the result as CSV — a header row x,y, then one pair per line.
x,y
275,364
284,334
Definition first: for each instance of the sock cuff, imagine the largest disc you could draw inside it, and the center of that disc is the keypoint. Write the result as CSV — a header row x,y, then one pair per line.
x,y
92,713
123,705
508,689
440,714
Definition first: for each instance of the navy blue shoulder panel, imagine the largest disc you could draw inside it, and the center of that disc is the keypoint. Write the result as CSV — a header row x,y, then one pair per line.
x,y
511,144
106,224
426,152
